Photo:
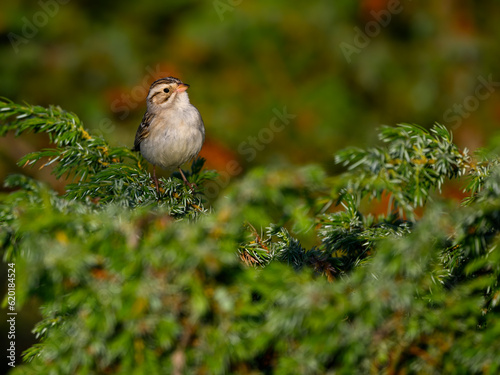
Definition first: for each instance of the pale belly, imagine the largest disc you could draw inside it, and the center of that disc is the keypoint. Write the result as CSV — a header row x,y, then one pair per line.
x,y
170,147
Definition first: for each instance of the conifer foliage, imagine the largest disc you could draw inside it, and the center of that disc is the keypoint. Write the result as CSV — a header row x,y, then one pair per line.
x,y
288,271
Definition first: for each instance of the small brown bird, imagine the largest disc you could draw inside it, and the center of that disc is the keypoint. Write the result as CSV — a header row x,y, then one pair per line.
x,y
172,131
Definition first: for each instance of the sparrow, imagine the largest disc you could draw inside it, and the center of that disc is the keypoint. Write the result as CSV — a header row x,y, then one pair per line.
x,y
172,130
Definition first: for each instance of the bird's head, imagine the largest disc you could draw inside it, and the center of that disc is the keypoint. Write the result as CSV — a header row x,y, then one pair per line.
x,y
166,91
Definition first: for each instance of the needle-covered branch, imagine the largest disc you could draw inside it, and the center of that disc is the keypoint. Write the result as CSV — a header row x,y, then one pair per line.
x,y
99,172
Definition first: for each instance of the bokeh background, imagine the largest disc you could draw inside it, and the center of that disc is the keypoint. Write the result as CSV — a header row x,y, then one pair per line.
x,y
246,59
341,68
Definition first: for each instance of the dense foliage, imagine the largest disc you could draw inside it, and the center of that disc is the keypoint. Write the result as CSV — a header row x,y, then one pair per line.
x,y
286,272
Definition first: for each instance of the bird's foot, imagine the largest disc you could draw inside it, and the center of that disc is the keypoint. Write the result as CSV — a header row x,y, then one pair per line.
x,y
155,179
192,186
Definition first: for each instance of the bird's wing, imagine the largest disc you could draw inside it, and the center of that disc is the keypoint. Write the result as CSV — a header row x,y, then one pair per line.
x,y
143,130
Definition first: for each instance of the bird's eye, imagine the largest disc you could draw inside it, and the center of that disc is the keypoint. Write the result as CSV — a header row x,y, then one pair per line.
x,y
166,91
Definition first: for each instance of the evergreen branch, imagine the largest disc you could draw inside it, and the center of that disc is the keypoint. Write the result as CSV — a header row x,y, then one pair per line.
x,y
131,186
64,128
350,237
414,162
278,245
479,175
77,153
103,174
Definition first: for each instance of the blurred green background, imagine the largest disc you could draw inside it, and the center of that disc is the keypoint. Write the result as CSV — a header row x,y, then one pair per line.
x,y
417,62
340,69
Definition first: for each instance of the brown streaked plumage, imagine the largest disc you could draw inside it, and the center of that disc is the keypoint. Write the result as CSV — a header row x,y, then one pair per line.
x,y
142,131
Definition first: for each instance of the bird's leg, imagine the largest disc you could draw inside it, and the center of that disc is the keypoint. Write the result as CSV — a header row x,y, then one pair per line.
x,y
186,181
155,179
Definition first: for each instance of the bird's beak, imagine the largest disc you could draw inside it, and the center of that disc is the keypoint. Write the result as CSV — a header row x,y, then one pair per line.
x,y
182,87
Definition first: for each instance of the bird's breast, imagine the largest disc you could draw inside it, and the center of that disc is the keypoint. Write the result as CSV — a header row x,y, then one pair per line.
x,y
174,140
